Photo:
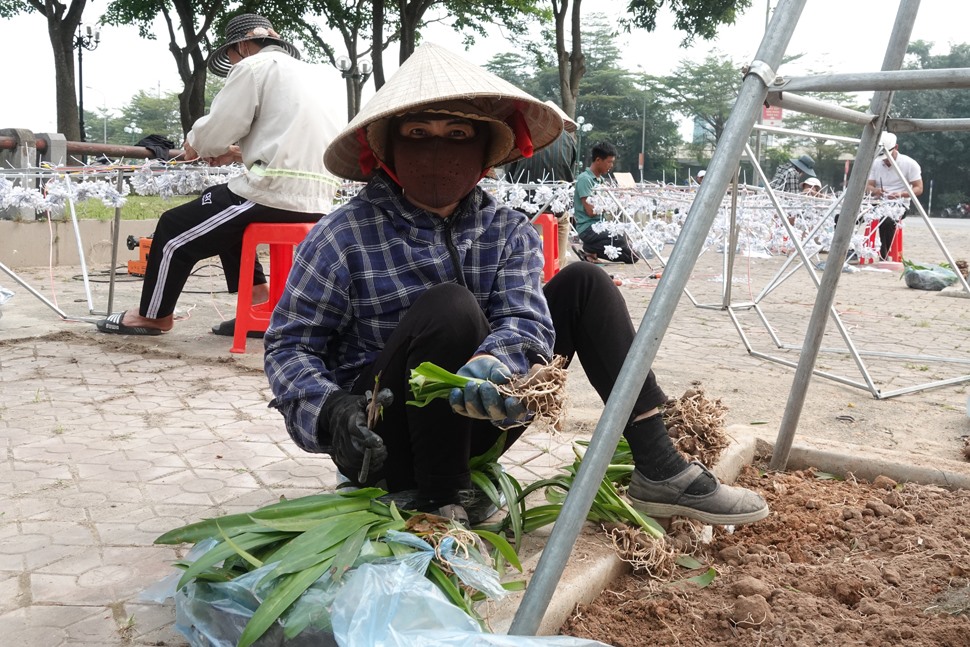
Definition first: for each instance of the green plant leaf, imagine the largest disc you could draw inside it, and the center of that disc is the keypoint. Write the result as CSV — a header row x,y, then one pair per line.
x,y
700,581
502,546
287,590
689,562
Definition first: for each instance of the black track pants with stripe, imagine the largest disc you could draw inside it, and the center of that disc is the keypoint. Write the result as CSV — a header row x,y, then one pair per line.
x,y
211,225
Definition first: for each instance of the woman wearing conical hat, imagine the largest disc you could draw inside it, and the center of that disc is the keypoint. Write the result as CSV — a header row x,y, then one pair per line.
x,y
424,266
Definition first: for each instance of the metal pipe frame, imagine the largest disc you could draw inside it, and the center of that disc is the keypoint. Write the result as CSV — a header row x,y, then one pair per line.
x,y
884,81
655,322
926,125
807,133
792,101
855,189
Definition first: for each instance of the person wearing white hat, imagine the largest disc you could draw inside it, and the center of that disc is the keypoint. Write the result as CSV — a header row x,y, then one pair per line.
x,y
884,182
700,175
811,186
424,266
554,163
270,116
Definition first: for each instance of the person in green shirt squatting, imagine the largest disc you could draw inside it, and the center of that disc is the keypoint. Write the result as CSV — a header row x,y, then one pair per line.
x,y
599,244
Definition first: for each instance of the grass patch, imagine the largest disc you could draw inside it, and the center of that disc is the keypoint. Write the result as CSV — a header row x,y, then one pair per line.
x,y
137,207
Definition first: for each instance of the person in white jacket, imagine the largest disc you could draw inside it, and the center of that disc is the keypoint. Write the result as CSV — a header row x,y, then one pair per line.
x,y
271,116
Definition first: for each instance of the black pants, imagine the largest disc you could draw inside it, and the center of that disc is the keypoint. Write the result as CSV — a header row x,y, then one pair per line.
x,y
887,232
429,447
211,225
596,243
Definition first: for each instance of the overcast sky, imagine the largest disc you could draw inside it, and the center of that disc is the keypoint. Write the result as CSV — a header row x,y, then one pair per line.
x,y
834,35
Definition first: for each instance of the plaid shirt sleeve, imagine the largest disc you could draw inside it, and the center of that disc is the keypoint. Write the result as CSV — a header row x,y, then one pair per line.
x,y
312,309
786,179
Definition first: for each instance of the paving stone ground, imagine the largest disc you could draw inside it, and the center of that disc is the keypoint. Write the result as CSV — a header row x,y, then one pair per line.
x,y
110,441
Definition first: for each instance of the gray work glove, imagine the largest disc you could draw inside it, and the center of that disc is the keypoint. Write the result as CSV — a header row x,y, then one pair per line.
x,y
481,399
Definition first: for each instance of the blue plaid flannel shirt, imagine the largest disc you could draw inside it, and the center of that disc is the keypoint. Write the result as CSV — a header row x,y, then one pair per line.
x,y
360,269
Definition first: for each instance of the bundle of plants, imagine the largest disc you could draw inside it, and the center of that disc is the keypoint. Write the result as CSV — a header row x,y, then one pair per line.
x,y
315,540
542,390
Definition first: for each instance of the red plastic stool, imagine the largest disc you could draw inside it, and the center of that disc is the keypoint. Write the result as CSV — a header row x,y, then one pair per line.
x,y
896,248
282,239
872,240
549,235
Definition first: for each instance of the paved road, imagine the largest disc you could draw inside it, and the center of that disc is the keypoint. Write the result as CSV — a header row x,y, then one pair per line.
x,y
110,441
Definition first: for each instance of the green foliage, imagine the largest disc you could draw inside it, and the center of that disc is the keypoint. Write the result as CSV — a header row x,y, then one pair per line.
x,y
694,17
10,8
943,156
621,110
704,91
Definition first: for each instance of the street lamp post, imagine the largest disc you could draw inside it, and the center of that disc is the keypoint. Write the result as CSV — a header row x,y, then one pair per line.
x,y
104,113
86,39
355,73
133,130
583,128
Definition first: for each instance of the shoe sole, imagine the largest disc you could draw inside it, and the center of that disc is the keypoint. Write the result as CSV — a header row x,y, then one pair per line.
x,y
664,510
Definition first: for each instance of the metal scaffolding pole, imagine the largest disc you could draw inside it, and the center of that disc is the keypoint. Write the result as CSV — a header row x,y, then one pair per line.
x,y
895,79
792,101
658,315
881,101
926,125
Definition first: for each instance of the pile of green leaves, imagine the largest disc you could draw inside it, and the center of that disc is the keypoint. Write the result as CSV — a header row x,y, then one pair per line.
x,y
310,538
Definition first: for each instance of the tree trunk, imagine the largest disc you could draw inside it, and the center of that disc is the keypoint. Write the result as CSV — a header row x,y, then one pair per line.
x,y
192,97
377,43
61,27
577,60
189,59
572,63
411,14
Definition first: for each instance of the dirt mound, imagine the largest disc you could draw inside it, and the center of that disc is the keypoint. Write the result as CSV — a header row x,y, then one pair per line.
x,y
837,562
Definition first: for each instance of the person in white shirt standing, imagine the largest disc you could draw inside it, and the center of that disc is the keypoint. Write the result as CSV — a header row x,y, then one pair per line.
x,y
271,117
884,182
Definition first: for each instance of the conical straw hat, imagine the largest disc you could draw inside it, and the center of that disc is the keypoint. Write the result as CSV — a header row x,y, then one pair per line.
x,y
567,121
433,75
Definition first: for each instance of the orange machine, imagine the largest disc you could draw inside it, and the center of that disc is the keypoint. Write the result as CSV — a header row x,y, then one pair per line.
x,y
144,245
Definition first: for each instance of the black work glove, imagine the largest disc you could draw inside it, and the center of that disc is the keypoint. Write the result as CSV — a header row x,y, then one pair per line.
x,y
352,441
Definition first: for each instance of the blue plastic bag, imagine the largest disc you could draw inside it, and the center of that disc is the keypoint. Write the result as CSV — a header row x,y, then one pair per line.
x,y
393,606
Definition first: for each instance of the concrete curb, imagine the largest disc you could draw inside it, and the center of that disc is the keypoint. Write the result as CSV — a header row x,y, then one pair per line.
x,y
593,564
863,462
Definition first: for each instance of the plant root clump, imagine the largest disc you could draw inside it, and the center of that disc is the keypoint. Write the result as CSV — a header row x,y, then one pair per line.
x,y
542,390
696,425
646,554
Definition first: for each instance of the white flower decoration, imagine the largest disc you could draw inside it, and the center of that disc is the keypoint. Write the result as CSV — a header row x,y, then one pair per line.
x,y
261,32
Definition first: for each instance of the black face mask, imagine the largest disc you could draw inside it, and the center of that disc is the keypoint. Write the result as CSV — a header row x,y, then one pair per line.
x,y
437,171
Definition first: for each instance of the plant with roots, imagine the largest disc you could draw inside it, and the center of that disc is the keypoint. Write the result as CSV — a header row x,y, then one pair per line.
x,y
542,390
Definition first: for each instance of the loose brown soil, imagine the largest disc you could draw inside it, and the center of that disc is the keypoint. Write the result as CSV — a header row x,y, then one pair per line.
x,y
838,562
